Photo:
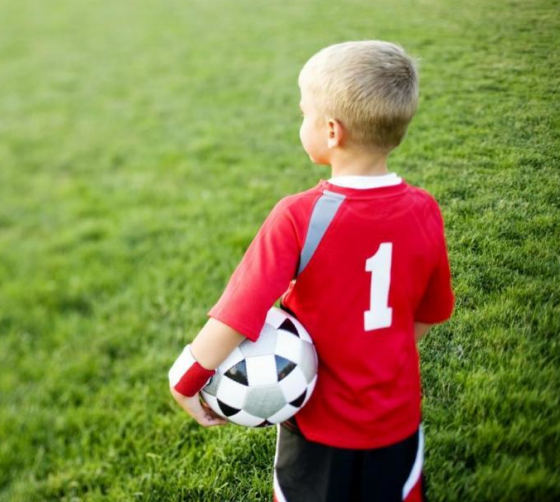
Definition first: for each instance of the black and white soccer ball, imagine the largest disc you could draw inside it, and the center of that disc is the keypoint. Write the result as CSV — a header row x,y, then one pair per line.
x,y
265,382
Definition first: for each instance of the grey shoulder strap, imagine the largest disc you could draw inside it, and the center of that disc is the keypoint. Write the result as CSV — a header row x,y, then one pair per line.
x,y
323,214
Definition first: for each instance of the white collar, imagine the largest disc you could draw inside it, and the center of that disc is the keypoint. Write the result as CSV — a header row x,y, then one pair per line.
x,y
355,181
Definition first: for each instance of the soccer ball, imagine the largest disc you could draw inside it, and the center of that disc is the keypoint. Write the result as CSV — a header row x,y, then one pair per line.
x,y
265,382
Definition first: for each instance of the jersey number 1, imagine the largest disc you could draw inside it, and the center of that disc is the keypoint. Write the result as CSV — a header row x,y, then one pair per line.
x,y
379,315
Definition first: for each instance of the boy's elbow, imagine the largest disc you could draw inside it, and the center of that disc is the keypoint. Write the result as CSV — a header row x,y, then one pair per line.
x,y
420,329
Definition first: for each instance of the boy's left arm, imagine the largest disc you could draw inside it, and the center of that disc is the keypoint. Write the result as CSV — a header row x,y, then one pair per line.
x,y
438,301
420,329
210,348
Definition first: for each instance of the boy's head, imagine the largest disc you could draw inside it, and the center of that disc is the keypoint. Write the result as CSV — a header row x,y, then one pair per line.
x,y
369,87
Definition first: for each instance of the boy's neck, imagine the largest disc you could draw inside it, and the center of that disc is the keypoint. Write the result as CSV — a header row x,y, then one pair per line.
x,y
358,163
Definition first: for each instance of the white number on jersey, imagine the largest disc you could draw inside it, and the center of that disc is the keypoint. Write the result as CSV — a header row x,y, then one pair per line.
x,y
379,315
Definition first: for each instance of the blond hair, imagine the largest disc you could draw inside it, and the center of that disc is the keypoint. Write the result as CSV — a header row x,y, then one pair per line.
x,y
371,86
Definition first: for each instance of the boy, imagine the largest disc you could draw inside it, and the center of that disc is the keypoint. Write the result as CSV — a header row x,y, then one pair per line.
x,y
364,261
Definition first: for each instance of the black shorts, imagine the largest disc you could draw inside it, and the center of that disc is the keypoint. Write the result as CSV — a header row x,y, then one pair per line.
x,y
306,471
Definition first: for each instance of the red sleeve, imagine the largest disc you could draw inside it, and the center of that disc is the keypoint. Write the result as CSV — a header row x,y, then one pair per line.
x,y
438,299
264,273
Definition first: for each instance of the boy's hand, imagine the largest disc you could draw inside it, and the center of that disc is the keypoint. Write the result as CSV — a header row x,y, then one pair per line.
x,y
198,409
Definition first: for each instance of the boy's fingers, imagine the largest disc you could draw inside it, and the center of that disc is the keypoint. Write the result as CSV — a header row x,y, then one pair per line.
x,y
213,422
210,411
193,407
212,417
209,421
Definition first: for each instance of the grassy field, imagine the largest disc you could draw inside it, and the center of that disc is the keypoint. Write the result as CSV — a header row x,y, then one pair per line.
x,y
143,143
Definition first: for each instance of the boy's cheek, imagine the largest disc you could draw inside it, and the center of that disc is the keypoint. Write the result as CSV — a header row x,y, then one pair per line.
x,y
308,145
318,157
302,135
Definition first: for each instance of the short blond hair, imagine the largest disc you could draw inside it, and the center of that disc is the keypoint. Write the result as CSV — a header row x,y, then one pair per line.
x,y
371,86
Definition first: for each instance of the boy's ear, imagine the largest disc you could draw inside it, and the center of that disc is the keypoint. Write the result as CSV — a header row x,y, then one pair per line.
x,y
335,133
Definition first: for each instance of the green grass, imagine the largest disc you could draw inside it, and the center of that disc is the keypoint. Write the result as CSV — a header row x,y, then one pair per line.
x,y
143,143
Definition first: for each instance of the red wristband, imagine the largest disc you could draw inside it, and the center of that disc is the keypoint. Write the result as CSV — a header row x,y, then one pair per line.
x,y
193,380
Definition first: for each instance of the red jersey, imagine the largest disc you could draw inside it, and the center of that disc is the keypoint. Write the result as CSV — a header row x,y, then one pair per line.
x,y
357,267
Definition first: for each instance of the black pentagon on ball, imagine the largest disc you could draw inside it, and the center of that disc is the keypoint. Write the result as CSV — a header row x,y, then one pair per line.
x,y
289,326
299,401
228,411
283,367
238,373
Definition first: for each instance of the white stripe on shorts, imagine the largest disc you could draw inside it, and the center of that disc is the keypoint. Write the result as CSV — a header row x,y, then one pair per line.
x,y
416,471
277,490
